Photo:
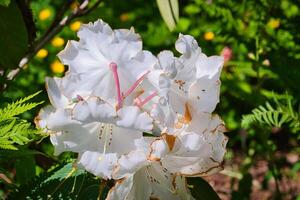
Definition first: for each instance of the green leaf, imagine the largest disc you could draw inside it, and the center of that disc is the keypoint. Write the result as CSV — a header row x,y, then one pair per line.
x,y
7,127
25,168
245,189
90,192
169,11
13,36
8,154
76,187
183,24
192,9
28,19
4,3
14,130
18,107
7,145
65,172
202,190
283,113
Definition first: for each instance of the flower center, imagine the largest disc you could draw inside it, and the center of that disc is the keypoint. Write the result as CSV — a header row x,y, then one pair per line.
x,y
121,96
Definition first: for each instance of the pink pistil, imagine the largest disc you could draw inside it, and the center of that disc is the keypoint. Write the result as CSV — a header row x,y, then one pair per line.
x,y
114,68
140,103
135,85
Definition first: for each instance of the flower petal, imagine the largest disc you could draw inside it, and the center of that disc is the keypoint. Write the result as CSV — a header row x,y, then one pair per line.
x,y
209,67
94,109
76,138
97,163
132,117
159,148
41,120
186,45
128,164
57,99
150,182
121,189
204,95
198,154
168,63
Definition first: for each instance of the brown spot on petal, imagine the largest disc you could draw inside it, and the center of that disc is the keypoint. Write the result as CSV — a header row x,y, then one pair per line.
x,y
211,170
170,139
187,114
153,158
174,182
223,128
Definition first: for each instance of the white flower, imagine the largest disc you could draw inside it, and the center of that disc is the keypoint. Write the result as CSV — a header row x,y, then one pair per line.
x,y
114,91
193,78
150,182
66,134
92,127
105,63
198,82
118,133
95,109
192,142
144,179
197,150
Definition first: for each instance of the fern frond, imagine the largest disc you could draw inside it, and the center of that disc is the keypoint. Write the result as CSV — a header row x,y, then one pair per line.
x,y
18,107
7,145
14,130
272,116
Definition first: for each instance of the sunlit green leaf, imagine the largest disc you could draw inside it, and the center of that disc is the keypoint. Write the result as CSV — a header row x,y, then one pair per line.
x,y
65,172
4,2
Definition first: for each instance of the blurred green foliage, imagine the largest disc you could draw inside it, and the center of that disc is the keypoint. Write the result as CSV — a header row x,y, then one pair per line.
x,y
264,40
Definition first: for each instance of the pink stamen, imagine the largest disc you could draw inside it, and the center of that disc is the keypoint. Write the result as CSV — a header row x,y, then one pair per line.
x,y
135,85
114,68
146,100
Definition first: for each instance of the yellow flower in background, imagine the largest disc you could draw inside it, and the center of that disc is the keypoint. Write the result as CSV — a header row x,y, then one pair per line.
x,y
42,53
58,42
209,36
44,14
124,17
274,23
57,67
75,26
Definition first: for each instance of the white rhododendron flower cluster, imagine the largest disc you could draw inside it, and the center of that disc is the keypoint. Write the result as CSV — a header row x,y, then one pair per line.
x,y
142,120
